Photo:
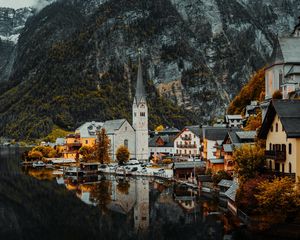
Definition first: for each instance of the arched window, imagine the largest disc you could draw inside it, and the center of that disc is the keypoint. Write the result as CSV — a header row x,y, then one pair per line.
x,y
290,148
290,168
276,127
126,143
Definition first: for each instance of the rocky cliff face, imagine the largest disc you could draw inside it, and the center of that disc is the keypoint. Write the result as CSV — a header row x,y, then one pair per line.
x,y
197,53
11,24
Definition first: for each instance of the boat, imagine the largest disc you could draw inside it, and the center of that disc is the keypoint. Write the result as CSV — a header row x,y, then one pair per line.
x,y
38,164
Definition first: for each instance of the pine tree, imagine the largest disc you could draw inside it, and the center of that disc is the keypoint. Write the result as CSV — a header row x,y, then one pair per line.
x,y
102,147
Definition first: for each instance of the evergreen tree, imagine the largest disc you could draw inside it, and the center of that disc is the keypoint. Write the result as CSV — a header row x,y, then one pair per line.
x,y
102,147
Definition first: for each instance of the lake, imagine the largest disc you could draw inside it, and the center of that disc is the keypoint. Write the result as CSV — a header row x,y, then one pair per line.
x,y
43,204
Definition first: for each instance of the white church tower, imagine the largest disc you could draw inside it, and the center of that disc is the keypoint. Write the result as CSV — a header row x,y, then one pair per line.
x,y
140,117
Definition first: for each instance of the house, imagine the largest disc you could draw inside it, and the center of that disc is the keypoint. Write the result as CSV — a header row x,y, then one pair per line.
x,y
120,132
162,144
210,135
88,133
281,129
235,138
73,144
234,120
187,142
252,109
184,170
283,72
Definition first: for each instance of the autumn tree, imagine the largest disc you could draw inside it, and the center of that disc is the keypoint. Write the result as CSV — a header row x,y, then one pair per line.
x,y
250,160
245,195
253,90
278,197
277,95
159,128
102,147
87,153
122,155
253,122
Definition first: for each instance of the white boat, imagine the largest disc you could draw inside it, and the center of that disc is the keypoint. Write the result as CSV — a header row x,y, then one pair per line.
x,y
38,164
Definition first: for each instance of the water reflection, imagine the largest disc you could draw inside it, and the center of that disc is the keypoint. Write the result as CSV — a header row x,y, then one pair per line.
x,y
44,204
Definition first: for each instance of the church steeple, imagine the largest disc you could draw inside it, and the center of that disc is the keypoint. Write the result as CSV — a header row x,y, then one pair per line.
x,y
140,93
140,116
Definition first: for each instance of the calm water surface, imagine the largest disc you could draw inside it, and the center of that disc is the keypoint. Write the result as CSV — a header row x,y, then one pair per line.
x,y
39,204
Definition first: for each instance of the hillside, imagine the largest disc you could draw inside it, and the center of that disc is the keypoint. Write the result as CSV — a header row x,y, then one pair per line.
x,y
76,60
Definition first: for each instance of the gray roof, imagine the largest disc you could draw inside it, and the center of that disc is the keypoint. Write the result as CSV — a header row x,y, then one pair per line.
x,y
140,93
89,129
214,133
231,192
227,147
113,125
289,115
234,117
288,50
188,164
225,183
217,160
60,141
195,129
233,137
168,141
246,135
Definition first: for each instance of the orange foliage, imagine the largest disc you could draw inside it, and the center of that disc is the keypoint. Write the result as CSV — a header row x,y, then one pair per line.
x,y
253,90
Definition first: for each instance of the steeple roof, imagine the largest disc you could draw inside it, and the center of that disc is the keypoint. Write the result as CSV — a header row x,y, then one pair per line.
x,y
140,93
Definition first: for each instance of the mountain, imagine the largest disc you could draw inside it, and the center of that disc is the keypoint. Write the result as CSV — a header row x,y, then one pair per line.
x,y
76,60
11,24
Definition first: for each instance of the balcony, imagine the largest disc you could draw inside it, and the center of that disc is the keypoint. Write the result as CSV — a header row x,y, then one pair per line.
x,y
275,173
276,155
186,145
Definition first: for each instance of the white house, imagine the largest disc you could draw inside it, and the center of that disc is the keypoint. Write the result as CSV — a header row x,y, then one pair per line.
x,y
234,120
187,142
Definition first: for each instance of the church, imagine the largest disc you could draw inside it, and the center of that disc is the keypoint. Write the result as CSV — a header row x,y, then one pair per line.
x,y
135,136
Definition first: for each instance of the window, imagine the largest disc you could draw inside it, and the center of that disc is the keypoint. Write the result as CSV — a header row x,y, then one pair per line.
x,y
270,164
86,141
290,168
142,114
283,167
126,128
135,114
276,127
270,146
283,147
290,148
272,128
126,143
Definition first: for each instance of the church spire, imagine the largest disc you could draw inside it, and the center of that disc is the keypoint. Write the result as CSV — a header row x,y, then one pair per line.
x,y
140,88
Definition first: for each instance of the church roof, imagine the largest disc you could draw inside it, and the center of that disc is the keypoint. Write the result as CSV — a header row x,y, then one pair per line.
x,y
140,93
113,125
287,50
89,129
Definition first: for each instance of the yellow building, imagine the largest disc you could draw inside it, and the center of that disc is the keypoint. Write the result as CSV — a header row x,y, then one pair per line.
x,y
281,129
88,133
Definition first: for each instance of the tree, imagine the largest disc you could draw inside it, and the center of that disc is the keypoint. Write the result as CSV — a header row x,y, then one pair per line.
x,y
277,95
159,128
35,155
253,123
278,197
220,175
245,195
87,153
102,147
122,154
250,160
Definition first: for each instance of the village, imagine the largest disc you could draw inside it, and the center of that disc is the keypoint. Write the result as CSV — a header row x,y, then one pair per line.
x,y
261,141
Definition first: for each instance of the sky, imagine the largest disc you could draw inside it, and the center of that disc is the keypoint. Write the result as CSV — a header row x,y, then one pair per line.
x,y
17,3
